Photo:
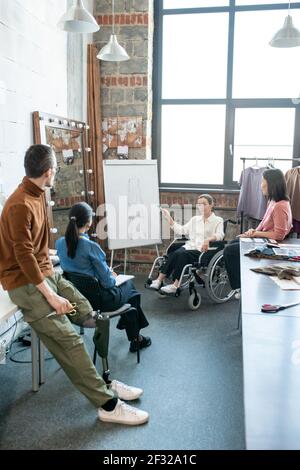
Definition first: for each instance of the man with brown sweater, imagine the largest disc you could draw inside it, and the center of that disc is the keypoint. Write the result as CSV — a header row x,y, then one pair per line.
x,y
46,297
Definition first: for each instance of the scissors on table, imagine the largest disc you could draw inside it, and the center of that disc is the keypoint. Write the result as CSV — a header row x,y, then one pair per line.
x,y
269,308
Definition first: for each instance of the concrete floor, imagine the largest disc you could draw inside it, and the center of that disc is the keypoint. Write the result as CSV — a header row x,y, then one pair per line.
x,y
191,375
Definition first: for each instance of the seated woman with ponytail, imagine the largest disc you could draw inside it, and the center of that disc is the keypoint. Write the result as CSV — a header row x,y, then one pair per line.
x,y
79,254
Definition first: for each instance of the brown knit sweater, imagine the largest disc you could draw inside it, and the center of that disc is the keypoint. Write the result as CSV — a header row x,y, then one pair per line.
x,y
24,232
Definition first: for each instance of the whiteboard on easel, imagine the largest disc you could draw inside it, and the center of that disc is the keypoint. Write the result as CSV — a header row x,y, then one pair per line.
x,y
132,203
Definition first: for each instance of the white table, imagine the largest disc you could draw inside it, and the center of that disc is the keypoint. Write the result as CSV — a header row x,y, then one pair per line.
x,y
271,359
7,310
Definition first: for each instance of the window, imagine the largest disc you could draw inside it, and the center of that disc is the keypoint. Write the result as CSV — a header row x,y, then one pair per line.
x,y
171,4
221,93
190,132
191,72
261,132
261,71
259,2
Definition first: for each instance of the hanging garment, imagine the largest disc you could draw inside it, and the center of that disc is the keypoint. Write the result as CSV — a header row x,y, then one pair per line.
x,y
292,178
296,226
251,200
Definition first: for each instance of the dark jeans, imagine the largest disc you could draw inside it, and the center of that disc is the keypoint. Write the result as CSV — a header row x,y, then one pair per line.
x,y
133,322
232,263
114,298
177,260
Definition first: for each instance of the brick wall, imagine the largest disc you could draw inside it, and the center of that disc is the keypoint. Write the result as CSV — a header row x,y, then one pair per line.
x,y
126,86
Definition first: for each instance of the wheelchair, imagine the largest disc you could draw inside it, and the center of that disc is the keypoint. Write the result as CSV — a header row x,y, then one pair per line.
x,y
208,272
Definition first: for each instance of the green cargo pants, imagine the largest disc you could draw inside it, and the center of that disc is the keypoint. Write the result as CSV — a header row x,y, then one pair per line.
x,y
60,337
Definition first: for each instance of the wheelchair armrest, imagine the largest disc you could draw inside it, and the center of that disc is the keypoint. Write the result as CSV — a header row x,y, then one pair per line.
x,y
211,248
120,310
215,246
230,221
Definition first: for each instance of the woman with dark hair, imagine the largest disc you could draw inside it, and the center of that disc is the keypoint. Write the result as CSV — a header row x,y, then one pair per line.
x,y
201,230
276,223
79,254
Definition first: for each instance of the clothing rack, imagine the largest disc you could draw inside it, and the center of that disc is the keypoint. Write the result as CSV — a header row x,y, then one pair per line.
x,y
296,159
270,160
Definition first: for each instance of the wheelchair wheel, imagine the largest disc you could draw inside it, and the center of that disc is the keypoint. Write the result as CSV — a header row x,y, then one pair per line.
x,y
194,300
216,281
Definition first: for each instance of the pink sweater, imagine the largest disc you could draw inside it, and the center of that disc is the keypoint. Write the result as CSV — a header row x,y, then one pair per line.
x,y
277,219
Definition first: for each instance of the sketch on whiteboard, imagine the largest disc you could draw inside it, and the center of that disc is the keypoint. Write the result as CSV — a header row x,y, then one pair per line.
x,y
135,205
134,192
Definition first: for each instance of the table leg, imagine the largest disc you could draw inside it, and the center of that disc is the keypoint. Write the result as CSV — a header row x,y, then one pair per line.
x,y
34,361
41,362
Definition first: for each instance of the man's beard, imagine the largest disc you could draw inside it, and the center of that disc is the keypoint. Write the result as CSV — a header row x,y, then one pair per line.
x,y
49,184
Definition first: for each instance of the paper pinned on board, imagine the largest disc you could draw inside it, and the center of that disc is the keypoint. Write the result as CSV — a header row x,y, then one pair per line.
x,y
67,153
122,150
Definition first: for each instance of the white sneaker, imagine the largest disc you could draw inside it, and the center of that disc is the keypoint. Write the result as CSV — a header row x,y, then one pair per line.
x,y
237,294
169,289
124,414
125,392
155,284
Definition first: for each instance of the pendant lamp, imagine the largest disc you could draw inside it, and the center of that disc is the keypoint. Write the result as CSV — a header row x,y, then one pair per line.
x,y
288,35
112,51
78,20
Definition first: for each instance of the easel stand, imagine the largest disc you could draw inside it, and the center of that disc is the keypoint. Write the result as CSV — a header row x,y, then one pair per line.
x,y
269,160
125,258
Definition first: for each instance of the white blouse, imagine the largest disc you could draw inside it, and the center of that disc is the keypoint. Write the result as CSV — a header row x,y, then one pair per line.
x,y
198,229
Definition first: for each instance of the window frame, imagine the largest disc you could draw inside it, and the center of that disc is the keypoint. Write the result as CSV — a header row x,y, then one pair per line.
x,y
231,104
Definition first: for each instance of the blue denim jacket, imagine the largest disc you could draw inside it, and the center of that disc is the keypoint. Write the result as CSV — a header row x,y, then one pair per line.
x,y
90,259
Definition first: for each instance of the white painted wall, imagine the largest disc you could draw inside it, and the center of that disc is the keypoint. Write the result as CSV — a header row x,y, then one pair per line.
x,y
77,70
33,77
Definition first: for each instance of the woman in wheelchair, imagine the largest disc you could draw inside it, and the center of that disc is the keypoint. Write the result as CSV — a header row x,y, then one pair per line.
x,y
201,230
276,223
79,254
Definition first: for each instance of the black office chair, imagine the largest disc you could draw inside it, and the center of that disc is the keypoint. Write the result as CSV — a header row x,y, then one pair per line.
x,y
89,287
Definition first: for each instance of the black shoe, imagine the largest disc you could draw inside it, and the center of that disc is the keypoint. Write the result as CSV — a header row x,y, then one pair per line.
x,y
146,341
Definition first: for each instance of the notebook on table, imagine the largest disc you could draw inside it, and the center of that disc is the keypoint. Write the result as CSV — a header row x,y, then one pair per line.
x,y
121,278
